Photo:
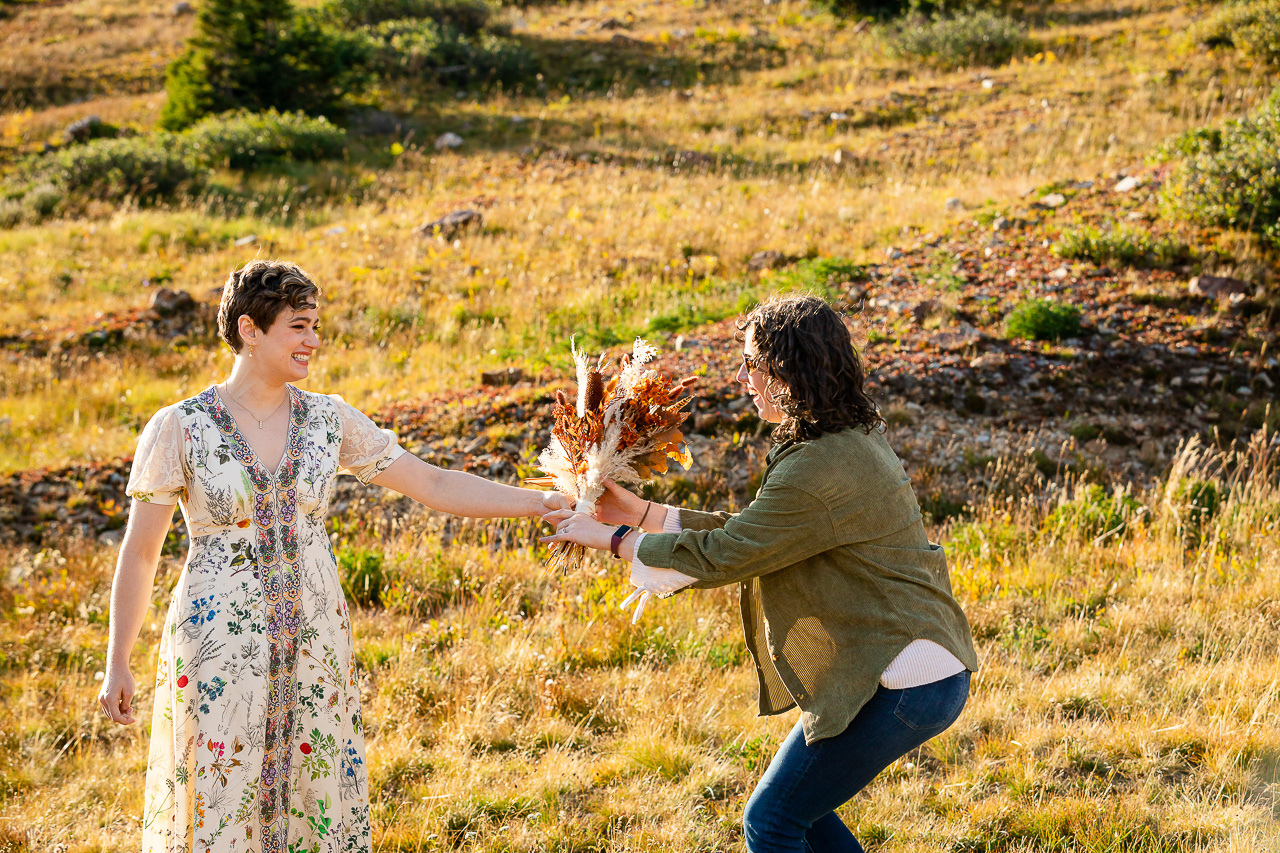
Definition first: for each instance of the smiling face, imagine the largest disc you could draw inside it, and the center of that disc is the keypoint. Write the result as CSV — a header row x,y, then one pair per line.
x,y
755,382
284,351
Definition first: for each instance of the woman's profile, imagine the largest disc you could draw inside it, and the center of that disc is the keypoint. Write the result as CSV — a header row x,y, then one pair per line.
x,y
257,740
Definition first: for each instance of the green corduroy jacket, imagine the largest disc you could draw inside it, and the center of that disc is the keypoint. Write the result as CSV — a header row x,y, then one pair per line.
x,y
837,575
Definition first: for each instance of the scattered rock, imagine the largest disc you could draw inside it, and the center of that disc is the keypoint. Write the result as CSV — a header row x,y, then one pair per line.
x,y
82,130
954,205
1050,202
499,378
166,302
691,159
111,538
450,225
893,253
1060,273
1127,185
1002,223
376,123
1218,287
246,240
988,83
769,259
447,141
952,341
180,9
989,361
842,157
922,311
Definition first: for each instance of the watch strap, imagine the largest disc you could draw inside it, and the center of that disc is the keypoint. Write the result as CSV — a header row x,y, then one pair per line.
x,y
616,541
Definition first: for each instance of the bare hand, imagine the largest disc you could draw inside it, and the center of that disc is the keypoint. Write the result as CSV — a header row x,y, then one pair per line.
x,y
116,696
619,506
552,501
578,527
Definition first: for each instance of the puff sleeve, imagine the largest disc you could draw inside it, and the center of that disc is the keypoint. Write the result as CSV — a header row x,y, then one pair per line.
x,y
366,449
157,475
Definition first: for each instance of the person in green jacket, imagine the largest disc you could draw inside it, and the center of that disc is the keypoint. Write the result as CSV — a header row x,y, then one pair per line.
x,y
846,604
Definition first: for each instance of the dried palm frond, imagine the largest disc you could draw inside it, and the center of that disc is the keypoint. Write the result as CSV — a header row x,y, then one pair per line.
x,y
624,429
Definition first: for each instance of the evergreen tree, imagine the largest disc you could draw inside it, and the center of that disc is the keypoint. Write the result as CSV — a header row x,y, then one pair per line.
x,y
258,54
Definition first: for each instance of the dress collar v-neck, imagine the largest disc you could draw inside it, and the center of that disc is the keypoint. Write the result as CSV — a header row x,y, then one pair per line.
x,y
244,453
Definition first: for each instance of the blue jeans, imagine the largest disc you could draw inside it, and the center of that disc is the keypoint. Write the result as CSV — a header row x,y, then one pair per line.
x,y
793,807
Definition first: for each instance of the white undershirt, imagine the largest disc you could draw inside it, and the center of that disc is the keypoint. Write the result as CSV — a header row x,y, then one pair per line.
x,y
921,662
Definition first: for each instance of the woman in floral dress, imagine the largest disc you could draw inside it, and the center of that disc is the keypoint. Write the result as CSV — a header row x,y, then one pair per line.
x,y
257,741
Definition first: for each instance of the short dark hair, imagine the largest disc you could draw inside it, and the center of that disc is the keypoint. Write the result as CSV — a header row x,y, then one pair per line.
x,y
262,289
815,376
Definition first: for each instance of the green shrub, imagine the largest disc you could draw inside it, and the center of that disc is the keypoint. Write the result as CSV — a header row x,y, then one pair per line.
x,y
467,16
41,201
10,212
146,169
1043,320
416,47
259,54
821,275
1230,176
1120,244
974,37
242,140
1251,26
1094,511
1197,502
876,8
363,578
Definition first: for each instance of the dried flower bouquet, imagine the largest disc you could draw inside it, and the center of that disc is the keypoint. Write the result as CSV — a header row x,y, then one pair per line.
x,y
622,429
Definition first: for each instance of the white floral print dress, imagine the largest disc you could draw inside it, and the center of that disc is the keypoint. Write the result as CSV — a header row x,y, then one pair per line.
x,y
256,739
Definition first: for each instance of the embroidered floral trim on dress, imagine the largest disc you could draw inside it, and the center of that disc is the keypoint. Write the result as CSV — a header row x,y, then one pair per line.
x,y
275,515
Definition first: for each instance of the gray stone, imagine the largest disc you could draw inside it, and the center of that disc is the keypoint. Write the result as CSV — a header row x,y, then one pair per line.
x,y
1127,185
1218,287
1053,201
954,205
180,9
166,302
111,538
447,141
449,226
498,378
769,259
81,130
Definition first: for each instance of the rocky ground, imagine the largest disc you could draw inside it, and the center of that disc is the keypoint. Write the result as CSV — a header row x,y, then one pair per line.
x,y
1161,357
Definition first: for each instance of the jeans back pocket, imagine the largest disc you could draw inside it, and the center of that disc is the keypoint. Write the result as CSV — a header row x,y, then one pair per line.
x,y
935,705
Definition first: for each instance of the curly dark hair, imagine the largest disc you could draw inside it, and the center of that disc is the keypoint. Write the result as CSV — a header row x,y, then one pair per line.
x,y
262,289
815,376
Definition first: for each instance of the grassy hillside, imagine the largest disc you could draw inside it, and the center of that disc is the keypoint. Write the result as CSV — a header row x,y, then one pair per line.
x,y
1107,494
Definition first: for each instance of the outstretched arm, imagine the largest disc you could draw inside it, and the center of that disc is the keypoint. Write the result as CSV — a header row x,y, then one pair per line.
x,y
130,598
460,493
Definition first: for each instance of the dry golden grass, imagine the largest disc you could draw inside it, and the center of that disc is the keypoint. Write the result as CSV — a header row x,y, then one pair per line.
x,y
1128,697
1127,701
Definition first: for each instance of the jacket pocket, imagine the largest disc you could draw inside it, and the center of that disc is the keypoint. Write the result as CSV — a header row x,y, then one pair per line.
x,y
933,706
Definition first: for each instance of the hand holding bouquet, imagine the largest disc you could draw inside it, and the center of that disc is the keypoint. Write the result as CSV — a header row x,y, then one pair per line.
x,y
622,429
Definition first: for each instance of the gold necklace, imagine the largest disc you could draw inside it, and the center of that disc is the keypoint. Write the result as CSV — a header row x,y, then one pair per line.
x,y
260,421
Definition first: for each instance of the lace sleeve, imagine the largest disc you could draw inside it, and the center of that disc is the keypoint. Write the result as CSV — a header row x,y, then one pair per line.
x,y
157,476
366,450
